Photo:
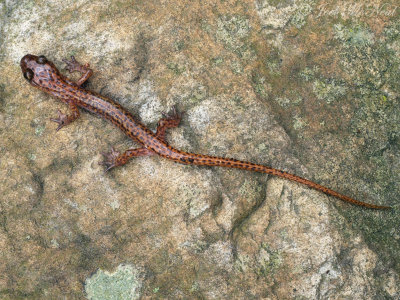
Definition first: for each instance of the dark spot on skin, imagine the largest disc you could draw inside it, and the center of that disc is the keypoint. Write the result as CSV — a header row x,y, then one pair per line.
x,y
183,159
41,59
191,160
28,74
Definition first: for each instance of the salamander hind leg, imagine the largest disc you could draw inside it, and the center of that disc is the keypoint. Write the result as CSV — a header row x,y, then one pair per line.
x,y
74,66
63,119
170,120
114,158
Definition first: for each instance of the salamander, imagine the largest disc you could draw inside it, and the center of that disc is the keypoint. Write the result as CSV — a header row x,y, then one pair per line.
x,y
43,74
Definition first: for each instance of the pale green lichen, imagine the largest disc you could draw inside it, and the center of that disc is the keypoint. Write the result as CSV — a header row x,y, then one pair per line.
x,y
236,67
54,244
193,198
261,85
197,206
274,67
180,45
268,261
309,74
195,287
114,204
278,14
231,29
233,32
250,189
122,284
286,102
32,156
353,36
39,129
365,61
217,60
377,121
262,147
329,89
242,263
198,93
299,123
176,68
303,9
195,245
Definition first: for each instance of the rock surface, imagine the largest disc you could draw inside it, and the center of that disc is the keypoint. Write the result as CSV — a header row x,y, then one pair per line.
x,y
305,86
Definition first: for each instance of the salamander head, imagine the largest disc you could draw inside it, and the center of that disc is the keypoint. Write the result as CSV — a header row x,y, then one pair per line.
x,y
37,70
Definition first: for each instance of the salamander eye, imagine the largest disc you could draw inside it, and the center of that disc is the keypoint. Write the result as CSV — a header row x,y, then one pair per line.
x,y
28,74
42,59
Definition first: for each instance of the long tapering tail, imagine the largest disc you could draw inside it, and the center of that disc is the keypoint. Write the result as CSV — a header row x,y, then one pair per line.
x,y
197,159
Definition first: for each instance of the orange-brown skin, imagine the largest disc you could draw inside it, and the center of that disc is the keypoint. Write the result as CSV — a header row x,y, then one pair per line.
x,y
42,74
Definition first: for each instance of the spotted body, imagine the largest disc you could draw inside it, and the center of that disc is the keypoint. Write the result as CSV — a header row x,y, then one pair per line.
x,y
42,74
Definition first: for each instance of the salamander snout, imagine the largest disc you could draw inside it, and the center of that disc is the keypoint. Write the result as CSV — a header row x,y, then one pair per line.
x,y
26,59
36,67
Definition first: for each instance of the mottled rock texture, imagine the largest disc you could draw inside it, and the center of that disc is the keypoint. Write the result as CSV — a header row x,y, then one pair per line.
x,y
311,87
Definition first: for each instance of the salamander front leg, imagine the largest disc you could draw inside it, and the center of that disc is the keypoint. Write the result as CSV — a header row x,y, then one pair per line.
x,y
74,66
63,119
170,120
115,158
